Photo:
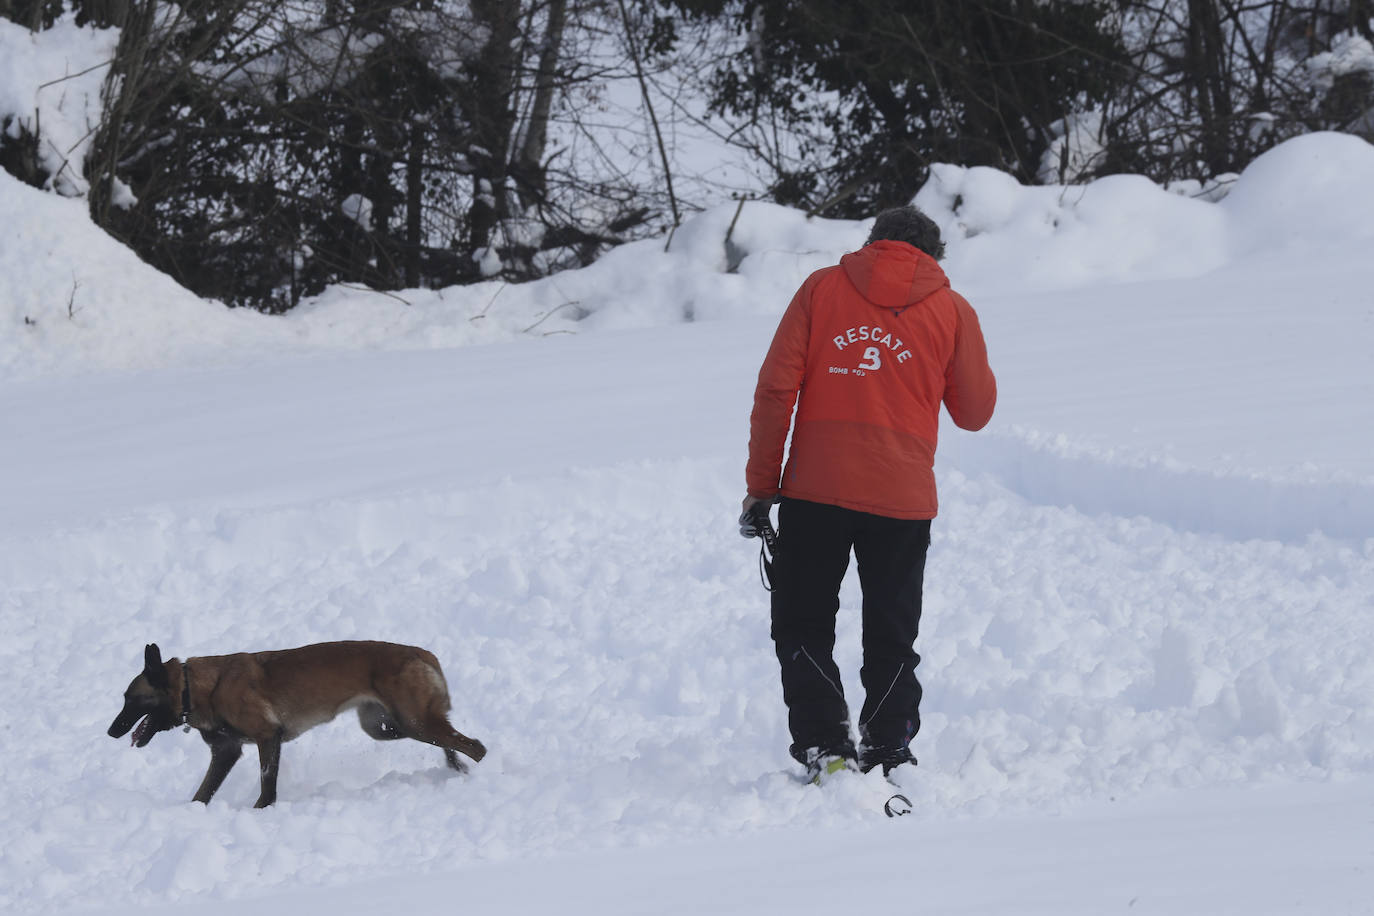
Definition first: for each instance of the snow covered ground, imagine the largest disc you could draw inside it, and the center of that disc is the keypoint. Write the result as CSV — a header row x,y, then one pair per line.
x,y
1148,644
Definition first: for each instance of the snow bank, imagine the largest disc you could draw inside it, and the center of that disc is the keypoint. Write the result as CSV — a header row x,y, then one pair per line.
x,y
1313,192
50,83
1115,230
1004,239
1310,192
74,299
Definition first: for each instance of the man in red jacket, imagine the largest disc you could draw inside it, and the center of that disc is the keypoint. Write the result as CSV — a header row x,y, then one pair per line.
x,y
873,345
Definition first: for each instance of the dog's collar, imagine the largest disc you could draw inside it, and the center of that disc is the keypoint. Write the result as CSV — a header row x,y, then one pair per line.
x,y
185,696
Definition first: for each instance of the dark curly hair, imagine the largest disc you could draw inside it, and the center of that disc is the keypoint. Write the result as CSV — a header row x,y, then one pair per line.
x,y
910,225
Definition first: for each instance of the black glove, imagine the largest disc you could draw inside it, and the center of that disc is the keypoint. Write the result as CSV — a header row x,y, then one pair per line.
x,y
753,519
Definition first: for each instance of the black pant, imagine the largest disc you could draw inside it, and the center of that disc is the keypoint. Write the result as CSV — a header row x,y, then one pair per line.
x,y
814,541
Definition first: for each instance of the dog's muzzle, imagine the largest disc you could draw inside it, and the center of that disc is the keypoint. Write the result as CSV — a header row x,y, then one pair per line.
x,y
122,723
148,726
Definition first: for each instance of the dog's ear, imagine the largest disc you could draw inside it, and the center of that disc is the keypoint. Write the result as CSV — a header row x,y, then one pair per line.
x,y
152,666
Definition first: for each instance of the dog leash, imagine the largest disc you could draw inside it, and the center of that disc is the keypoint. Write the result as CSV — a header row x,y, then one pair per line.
x,y
768,552
754,522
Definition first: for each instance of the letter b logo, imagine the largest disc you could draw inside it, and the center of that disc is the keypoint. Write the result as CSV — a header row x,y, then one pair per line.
x,y
872,359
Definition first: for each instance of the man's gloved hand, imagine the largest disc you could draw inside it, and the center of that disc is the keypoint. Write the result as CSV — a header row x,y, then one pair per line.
x,y
754,516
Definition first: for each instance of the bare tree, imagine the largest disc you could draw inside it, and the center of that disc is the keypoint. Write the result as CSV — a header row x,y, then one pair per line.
x,y
261,149
1213,84
528,165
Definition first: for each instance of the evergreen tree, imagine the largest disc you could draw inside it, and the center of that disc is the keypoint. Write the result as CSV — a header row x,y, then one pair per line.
x,y
877,90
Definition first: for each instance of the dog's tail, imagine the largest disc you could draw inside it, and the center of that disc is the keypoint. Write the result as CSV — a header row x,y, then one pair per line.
x,y
469,746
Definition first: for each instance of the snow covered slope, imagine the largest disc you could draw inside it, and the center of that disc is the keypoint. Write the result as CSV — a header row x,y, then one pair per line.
x,y
1148,625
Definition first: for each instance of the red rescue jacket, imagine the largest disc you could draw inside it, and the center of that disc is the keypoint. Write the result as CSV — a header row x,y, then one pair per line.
x,y
873,345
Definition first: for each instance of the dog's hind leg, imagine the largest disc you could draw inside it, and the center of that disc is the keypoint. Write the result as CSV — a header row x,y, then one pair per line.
x,y
378,722
432,727
418,703
225,751
436,730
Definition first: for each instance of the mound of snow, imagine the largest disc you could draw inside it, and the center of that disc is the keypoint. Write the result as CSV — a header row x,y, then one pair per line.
x,y
72,297
1313,191
50,84
75,300
1001,235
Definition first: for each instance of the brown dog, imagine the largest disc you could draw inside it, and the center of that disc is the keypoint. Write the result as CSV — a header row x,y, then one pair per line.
x,y
271,697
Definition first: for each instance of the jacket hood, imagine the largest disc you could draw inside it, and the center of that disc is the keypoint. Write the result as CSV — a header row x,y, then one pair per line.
x,y
893,275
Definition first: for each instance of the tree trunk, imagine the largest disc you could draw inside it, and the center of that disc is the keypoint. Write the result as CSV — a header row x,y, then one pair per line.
x,y
123,86
530,161
415,193
378,183
1361,12
106,13
1205,60
492,117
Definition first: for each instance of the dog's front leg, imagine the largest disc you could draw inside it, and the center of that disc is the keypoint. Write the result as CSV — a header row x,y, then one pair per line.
x,y
269,759
225,751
